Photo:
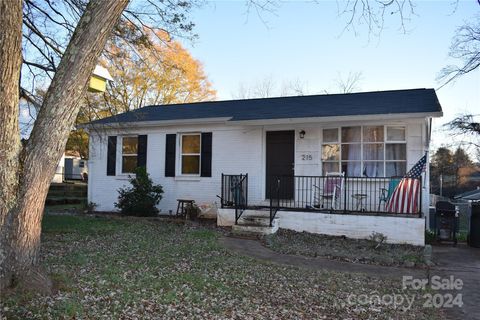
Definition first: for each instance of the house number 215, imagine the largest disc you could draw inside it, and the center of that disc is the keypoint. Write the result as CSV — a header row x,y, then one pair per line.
x,y
306,157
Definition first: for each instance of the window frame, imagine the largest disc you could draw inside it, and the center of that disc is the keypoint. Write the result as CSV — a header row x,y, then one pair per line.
x,y
181,154
391,142
127,154
362,143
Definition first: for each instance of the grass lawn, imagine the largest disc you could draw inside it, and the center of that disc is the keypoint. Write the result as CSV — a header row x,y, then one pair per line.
x,y
113,268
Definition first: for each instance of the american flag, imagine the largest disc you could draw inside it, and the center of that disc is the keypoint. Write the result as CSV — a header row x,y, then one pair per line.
x,y
405,197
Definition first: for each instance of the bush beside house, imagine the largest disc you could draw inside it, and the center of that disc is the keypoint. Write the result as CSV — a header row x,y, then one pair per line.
x,y
142,197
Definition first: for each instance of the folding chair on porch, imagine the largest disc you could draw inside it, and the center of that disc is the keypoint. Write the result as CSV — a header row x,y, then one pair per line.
x,y
385,193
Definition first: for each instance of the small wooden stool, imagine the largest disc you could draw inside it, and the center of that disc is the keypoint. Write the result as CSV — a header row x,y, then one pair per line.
x,y
182,204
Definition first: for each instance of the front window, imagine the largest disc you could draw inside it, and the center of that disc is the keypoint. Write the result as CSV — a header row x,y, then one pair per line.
x,y
190,154
371,151
129,154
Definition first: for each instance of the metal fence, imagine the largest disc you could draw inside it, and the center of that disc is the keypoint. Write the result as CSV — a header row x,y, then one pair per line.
x,y
464,213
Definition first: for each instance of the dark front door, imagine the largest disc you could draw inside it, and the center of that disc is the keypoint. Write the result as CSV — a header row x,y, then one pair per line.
x,y
280,162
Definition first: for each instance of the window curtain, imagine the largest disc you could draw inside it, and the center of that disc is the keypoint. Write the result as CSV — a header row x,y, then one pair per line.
x,y
354,167
351,154
371,154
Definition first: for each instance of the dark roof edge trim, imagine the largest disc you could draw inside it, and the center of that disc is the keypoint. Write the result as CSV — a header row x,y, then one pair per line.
x,y
227,120
154,123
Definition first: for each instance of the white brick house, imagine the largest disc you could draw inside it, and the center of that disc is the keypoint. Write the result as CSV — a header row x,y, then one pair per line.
x,y
186,148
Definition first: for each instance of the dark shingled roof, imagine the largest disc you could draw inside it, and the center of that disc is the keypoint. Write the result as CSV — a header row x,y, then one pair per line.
x,y
469,195
328,105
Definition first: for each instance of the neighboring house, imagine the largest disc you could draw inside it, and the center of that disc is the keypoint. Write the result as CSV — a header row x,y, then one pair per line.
x,y
71,167
287,146
76,168
59,177
472,195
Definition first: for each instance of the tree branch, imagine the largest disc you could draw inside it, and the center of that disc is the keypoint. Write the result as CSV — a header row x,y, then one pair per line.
x,y
466,48
39,66
65,25
27,22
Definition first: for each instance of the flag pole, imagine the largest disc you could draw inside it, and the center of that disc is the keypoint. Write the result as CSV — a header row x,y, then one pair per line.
x,y
424,175
423,179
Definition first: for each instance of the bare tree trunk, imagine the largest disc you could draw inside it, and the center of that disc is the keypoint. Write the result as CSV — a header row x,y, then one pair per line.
x,y
37,163
10,64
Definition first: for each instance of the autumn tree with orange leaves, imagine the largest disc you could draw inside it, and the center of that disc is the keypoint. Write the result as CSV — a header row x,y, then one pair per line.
x,y
159,72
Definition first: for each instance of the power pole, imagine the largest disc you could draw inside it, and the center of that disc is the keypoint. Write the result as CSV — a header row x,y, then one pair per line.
x,y
441,185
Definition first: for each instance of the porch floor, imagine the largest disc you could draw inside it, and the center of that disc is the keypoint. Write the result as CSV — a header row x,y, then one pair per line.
x,y
265,207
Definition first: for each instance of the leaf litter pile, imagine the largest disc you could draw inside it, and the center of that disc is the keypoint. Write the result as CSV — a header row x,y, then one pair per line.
x,y
365,251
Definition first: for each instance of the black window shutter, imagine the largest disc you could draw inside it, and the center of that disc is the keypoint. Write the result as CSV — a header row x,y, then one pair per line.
x,y
170,144
111,155
206,162
142,151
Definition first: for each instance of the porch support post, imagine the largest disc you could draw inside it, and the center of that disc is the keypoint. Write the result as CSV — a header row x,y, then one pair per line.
x,y
222,191
421,198
345,193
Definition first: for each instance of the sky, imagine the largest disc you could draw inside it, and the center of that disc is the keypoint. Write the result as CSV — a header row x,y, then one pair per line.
x,y
305,42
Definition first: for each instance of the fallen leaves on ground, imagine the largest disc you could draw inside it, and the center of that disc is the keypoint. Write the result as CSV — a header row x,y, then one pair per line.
x,y
345,249
144,269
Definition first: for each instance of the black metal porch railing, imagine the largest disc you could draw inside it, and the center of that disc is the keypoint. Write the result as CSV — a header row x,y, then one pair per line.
x,y
274,197
336,193
234,193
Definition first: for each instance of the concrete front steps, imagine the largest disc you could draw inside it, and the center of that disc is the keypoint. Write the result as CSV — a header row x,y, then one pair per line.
x,y
255,223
